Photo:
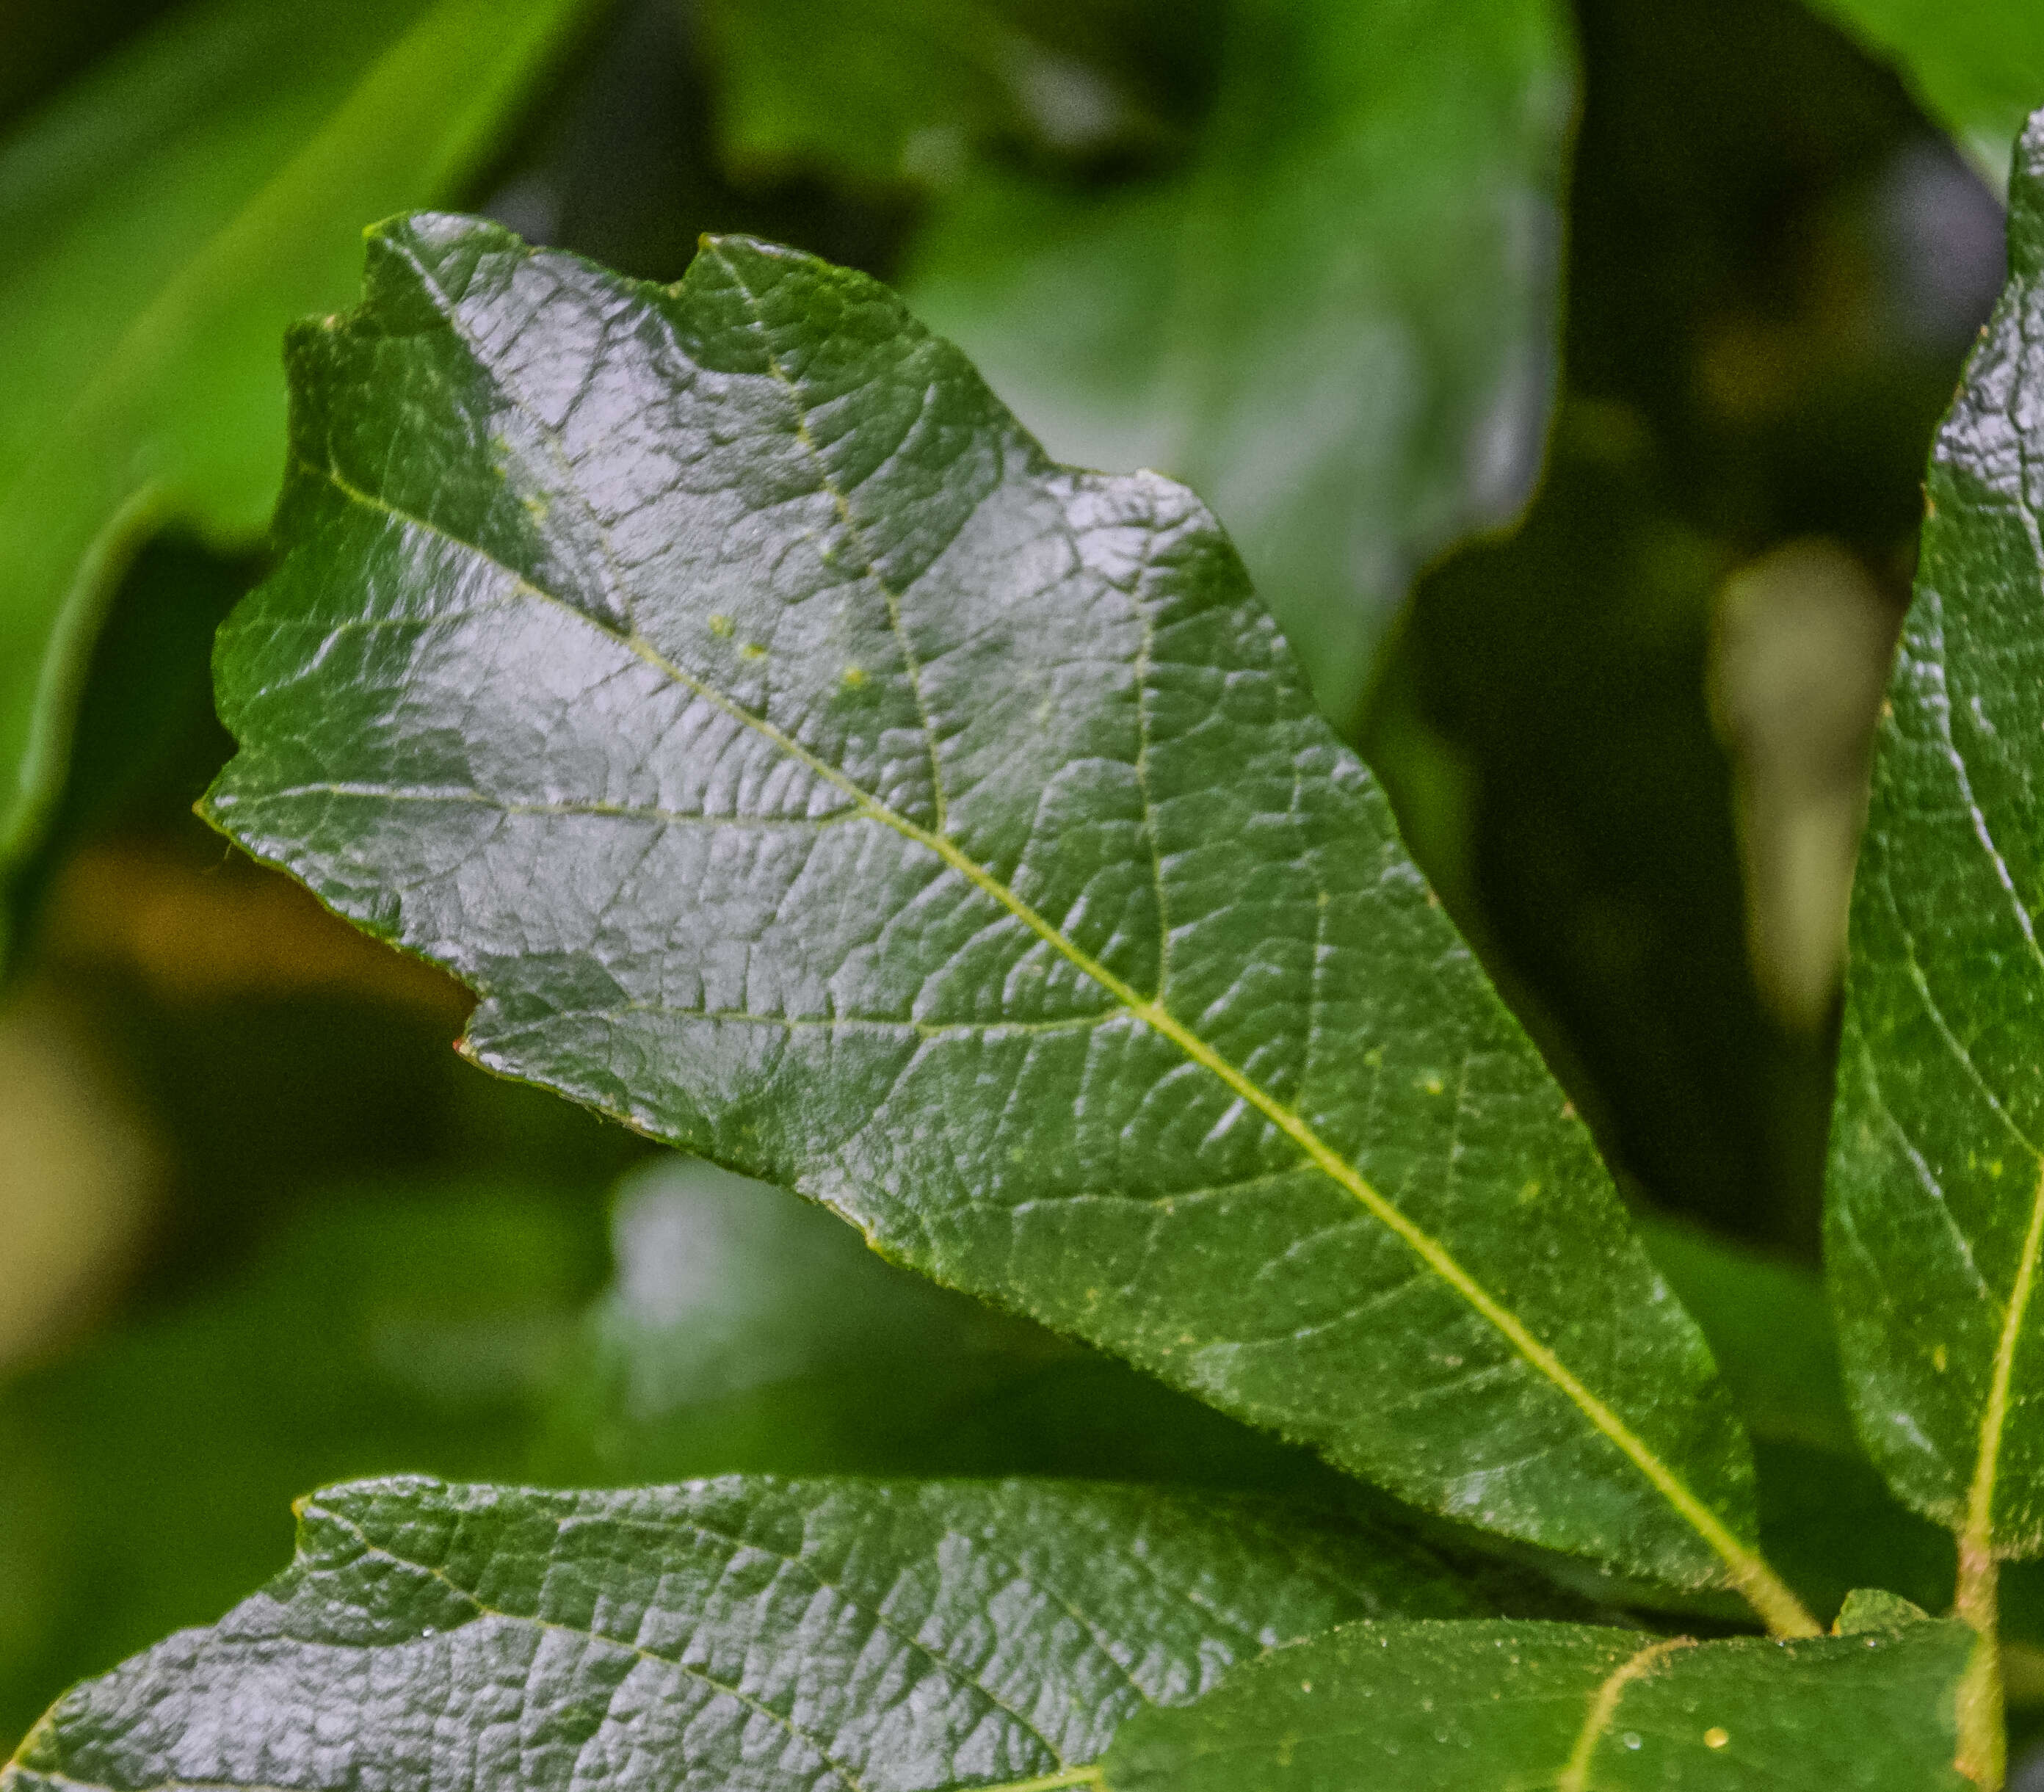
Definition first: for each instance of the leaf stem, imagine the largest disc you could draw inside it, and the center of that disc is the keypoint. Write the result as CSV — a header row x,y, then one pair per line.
x,y
1983,1739
1983,1753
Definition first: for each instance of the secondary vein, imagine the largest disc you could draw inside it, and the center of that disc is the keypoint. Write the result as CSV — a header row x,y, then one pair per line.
x,y
1604,1708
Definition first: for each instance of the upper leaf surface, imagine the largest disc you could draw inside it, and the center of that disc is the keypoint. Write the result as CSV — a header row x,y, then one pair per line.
x,y
1336,321
805,768
1562,1708
1975,66
164,223
755,1635
1935,1213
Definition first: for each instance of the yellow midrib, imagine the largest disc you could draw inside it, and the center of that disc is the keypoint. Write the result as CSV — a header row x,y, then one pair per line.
x,y
1994,1418
1983,1744
1747,1572
1757,1583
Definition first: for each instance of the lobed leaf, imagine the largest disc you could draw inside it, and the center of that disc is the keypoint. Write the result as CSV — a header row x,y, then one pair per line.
x,y
1935,1206
752,1636
1432,1707
806,770
166,220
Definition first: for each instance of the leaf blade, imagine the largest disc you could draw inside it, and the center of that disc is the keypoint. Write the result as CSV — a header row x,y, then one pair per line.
x,y
1429,1707
1934,1202
744,1632
1117,886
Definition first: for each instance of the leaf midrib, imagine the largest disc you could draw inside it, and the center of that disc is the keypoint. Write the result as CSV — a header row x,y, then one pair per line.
x,y
1746,1571
1978,1536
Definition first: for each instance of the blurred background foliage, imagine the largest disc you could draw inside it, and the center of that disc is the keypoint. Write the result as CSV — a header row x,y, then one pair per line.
x,y
1566,375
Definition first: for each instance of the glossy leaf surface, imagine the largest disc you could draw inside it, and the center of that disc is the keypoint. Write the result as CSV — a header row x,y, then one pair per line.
x,y
1936,1196
1975,66
1335,321
718,681
751,1635
165,221
1564,1707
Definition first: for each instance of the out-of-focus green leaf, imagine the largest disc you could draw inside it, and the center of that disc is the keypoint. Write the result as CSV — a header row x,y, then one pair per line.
x,y
144,1481
1975,66
718,681
892,90
751,1635
749,1330
1770,1330
1336,323
1563,1708
164,222
1935,1203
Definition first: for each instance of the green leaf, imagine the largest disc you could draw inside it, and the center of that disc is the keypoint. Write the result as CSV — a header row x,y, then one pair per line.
x,y
751,1634
1935,1206
806,770
1336,322
165,221
1975,66
1562,1708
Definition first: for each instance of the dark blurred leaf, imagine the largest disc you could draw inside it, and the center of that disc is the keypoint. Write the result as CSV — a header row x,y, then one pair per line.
x,y
1336,323
1772,276
1976,66
1454,1707
771,1636
166,220
143,1482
